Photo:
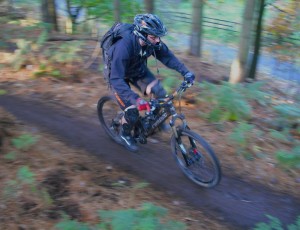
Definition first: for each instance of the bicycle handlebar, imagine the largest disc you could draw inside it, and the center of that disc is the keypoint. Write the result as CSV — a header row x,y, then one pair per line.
x,y
183,86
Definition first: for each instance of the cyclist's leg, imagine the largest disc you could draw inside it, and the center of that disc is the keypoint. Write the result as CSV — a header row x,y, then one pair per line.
x,y
131,116
148,84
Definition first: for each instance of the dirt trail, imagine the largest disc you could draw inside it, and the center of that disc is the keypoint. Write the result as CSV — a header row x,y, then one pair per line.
x,y
234,201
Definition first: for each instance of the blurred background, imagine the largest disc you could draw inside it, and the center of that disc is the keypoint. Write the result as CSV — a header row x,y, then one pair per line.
x,y
50,53
262,33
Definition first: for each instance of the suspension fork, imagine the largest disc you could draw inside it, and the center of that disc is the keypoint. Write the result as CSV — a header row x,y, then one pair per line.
x,y
177,135
192,141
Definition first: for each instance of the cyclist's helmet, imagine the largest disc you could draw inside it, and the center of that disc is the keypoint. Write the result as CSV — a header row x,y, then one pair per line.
x,y
149,24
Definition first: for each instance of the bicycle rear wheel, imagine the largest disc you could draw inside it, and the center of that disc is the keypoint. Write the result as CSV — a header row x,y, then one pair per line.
x,y
196,158
110,114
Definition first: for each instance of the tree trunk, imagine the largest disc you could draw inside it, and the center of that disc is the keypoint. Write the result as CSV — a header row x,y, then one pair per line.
x,y
73,14
49,16
197,20
238,67
117,10
149,6
257,43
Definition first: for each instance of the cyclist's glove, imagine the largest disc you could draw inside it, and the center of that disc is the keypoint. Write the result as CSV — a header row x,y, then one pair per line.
x,y
189,77
141,104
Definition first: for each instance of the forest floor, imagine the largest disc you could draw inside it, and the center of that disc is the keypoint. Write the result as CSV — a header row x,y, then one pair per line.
x,y
80,184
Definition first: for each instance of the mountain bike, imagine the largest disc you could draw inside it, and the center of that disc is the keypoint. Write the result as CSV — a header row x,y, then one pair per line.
x,y
193,154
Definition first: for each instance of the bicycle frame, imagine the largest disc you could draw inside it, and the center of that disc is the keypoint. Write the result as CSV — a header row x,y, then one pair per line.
x,y
165,105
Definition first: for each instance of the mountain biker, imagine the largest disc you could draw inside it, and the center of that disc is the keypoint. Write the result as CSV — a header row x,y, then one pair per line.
x,y
128,64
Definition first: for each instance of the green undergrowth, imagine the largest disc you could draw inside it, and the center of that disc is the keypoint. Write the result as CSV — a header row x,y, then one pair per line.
x,y
275,224
237,104
231,102
47,58
146,217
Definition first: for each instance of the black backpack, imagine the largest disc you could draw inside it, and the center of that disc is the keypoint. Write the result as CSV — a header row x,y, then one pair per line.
x,y
115,33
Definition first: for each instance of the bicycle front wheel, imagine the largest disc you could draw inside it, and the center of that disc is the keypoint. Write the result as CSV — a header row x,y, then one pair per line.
x,y
196,158
110,115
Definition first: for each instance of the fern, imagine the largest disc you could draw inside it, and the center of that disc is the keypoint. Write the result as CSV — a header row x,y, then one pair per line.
x,y
26,48
19,57
24,142
42,38
281,136
10,156
289,115
120,219
255,92
241,137
25,176
275,224
231,102
67,52
228,104
289,159
288,111
146,218
295,226
45,70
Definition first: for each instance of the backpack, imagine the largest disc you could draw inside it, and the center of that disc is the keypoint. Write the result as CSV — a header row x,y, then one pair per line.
x,y
116,32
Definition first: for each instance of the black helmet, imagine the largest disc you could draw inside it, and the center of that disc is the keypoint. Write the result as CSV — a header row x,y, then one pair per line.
x,y
149,24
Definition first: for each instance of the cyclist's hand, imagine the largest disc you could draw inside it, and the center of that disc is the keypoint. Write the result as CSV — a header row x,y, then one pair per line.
x,y
141,104
189,77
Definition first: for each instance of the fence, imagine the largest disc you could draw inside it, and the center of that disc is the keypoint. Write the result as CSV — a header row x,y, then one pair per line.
x,y
224,54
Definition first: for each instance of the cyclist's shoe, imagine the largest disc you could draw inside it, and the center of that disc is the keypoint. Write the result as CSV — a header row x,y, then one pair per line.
x,y
127,139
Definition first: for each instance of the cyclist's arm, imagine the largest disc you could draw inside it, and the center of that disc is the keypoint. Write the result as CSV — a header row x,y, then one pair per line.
x,y
167,57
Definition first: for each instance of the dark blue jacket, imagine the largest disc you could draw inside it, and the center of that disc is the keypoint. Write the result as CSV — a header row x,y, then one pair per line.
x,y
129,60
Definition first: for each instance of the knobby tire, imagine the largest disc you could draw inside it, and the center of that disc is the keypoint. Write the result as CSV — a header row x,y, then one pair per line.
x,y
108,114
204,168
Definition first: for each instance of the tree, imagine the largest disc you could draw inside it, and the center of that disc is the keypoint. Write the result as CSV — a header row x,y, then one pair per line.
x,y
197,21
257,42
117,10
149,6
73,11
48,9
238,68
5,7
283,29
